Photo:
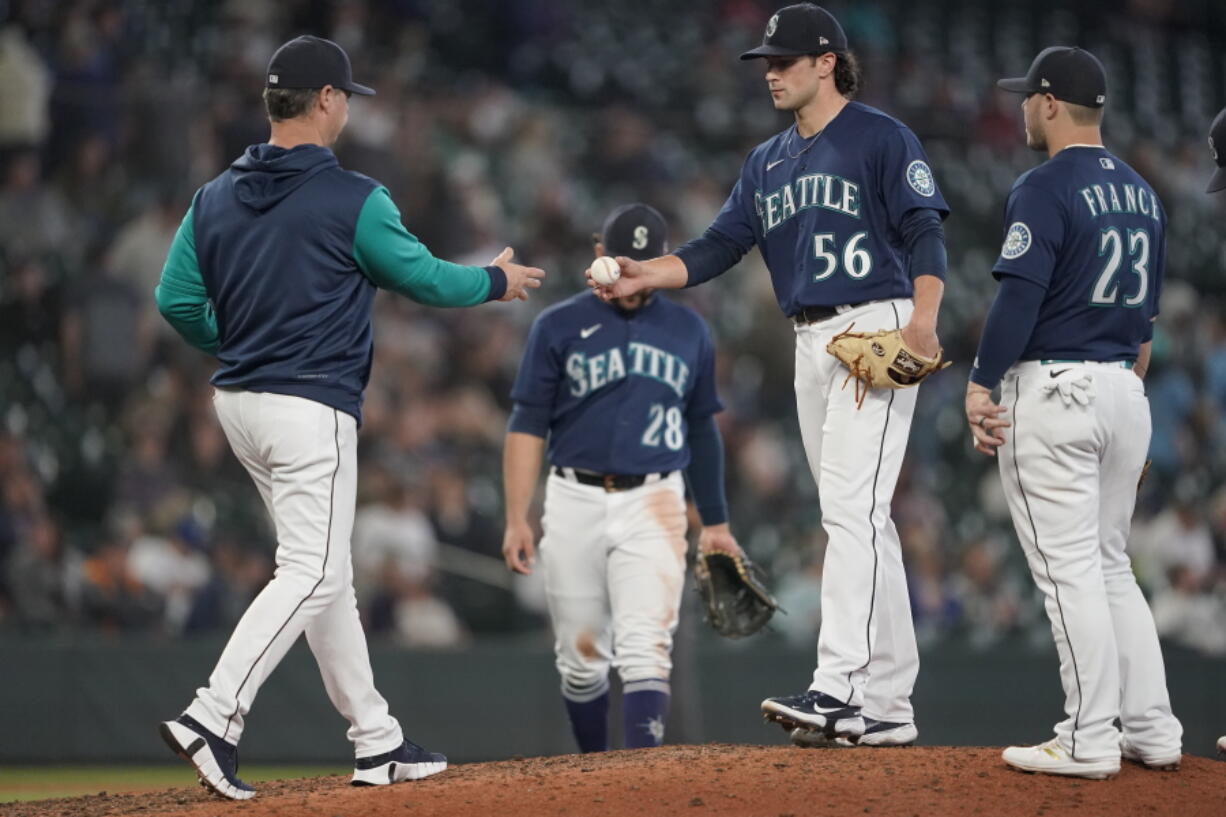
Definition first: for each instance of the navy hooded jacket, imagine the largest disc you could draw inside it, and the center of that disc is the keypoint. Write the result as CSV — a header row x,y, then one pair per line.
x,y
275,266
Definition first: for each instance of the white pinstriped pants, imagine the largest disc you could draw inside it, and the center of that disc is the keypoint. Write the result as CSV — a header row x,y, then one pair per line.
x,y
866,650
1070,476
614,566
303,458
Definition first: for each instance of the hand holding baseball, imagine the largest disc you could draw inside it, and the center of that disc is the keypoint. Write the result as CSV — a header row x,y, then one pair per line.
x,y
605,271
628,278
520,279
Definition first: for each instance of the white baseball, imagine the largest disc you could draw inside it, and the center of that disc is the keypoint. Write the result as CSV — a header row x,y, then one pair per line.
x,y
605,271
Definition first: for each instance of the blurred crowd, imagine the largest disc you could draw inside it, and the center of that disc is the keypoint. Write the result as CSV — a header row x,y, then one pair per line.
x,y
121,507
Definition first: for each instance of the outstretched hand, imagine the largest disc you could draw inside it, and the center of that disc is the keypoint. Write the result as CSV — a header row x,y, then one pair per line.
x,y
520,279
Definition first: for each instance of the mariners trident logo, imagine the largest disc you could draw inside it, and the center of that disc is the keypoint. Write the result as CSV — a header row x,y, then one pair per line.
x,y
1017,241
772,25
919,176
1213,148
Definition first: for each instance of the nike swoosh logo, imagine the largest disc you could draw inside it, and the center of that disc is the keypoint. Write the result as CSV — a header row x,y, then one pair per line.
x,y
1057,374
591,330
769,165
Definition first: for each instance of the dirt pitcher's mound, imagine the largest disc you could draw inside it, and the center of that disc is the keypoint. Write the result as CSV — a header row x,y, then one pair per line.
x,y
701,781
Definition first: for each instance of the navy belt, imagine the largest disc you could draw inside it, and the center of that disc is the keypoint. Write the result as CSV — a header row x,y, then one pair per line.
x,y
610,482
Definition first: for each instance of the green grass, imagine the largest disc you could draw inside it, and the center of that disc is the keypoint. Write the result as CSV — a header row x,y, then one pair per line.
x,y
43,782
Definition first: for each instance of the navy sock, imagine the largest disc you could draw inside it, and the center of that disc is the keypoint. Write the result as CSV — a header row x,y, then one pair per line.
x,y
644,711
589,720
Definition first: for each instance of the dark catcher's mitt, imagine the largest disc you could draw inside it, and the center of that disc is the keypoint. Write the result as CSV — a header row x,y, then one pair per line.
x,y
735,594
881,360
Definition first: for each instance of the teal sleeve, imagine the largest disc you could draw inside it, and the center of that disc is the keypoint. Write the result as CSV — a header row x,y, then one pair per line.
x,y
181,296
394,259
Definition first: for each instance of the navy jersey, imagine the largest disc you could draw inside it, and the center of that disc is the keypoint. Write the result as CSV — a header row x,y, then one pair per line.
x,y
1089,230
827,220
621,388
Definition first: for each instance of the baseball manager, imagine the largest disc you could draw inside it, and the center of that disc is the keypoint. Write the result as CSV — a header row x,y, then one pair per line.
x,y
274,270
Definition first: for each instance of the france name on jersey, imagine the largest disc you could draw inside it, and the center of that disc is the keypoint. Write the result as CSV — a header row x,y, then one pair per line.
x,y
827,220
620,388
1089,230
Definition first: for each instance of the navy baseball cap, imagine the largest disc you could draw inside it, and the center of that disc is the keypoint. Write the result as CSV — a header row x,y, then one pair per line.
x,y
1217,146
1069,74
312,62
636,231
798,31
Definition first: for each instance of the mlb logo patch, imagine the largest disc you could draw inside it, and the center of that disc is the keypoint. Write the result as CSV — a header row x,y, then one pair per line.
x,y
1107,163
273,79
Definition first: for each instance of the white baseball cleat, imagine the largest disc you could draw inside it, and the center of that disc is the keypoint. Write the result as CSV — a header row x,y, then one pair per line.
x,y
876,734
887,733
1052,758
406,762
1165,762
815,739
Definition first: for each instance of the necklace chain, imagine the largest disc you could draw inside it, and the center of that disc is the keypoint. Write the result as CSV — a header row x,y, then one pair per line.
x,y
812,141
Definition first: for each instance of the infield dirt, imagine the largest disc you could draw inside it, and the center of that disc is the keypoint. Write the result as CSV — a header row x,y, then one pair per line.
x,y
701,781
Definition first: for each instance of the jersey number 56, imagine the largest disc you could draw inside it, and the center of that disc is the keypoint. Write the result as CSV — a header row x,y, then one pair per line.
x,y
857,262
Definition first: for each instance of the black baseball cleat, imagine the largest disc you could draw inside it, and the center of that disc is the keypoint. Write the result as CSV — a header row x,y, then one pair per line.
x,y
406,762
815,711
215,760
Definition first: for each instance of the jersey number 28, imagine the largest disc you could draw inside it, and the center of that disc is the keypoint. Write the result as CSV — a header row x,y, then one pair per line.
x,y
666,420
1111,244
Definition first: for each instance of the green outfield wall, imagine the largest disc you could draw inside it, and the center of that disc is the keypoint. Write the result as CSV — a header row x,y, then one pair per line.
x,y
85,700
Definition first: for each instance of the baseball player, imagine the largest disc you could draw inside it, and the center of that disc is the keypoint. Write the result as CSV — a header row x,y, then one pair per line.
x,y
624,393
847,215
274,270
1080,274
1217,183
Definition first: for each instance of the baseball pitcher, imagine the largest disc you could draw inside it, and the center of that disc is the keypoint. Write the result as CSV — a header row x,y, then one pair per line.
x,y
1080,276
624,393
274,270
847,215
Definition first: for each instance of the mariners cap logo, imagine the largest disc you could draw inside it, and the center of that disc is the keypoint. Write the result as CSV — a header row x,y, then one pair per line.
x,y
1017,241
1213,148
919,176
771,25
